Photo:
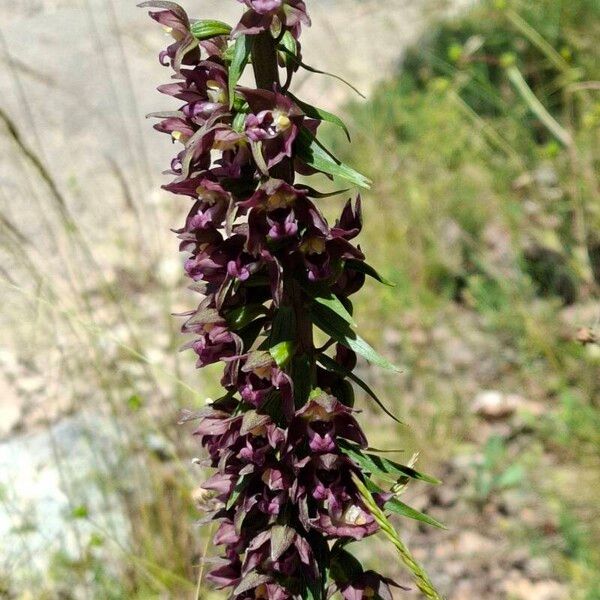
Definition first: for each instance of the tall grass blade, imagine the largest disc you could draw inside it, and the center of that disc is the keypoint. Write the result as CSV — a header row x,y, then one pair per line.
x,y
421,577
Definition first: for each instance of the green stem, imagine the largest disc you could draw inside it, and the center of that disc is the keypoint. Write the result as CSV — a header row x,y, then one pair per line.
x,y
537,108
420,575
266,74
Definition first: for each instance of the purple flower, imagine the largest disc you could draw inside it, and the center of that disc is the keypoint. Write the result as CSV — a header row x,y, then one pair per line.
x,y
264,7
368,585
260,378
204,89
175,22
273,124
227,574
281,441
263,14
282,551
322,421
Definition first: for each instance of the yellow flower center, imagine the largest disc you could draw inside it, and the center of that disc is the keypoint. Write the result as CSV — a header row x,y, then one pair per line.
x,y
263,372
282,121
231,144
215,92
280,200
313,245
176,35
318,413
354,515
207,196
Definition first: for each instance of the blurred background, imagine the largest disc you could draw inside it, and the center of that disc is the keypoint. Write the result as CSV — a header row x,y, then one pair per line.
x,y
480,132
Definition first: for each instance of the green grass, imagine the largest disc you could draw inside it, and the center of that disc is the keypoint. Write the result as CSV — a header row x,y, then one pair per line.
x,y
485,211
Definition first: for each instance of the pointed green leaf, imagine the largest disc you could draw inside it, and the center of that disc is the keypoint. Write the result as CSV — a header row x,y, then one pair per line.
x,y
396,506
294,57
302,375
250,332
313,153
288,41
209,28
284,326
318,113
382,466
237,490
328,322
241,56
328,299
244,315
316,194
363,267
331,365
345,566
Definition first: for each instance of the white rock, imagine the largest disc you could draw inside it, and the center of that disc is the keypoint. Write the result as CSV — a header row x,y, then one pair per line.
x,y
492,404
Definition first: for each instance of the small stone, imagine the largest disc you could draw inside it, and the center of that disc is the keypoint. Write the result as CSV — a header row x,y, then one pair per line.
x,y
492,405
170,272
444,496
31,383
8,362
539,567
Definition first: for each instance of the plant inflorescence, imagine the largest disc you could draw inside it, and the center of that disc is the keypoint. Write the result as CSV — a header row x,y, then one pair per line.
x,y
295,481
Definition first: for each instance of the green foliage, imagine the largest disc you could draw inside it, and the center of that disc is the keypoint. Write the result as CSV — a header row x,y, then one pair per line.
x,y
466,148
494,473
315,155
489,191
339,329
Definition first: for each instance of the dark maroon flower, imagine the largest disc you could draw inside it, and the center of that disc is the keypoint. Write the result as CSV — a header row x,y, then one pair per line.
x,y
227,574
216,344
260,378
283,440
273,125
263,14
322,421
175,22
369,585
280,550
